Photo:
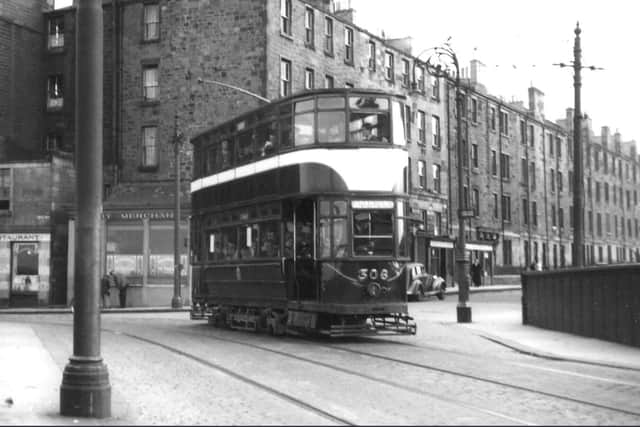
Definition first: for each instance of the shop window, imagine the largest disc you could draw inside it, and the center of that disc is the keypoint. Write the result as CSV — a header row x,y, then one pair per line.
x,y
124,249
161,251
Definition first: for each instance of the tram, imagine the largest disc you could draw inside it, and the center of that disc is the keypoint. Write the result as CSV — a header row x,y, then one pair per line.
x,y
299,217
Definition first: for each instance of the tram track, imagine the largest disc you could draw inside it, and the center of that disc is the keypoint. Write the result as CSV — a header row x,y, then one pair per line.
x,y
387,382
416,390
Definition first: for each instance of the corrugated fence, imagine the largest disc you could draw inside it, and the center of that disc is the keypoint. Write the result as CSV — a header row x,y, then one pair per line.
x,y
601,302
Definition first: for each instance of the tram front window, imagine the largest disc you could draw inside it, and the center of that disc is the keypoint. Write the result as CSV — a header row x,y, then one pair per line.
x,y
373,232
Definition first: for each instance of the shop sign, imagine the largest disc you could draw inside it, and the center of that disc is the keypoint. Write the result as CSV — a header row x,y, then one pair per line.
x,y
137,215
24,237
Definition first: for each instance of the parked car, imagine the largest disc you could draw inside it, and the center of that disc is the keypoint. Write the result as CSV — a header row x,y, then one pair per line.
x,y
423,284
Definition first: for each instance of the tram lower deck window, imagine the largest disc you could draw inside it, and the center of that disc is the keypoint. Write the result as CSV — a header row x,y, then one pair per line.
x,y
373,232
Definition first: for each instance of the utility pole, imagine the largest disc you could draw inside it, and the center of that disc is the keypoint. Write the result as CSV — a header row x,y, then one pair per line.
x,y
578,154
85,389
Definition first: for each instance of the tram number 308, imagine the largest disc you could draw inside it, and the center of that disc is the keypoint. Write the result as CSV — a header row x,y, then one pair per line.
x,y
372,274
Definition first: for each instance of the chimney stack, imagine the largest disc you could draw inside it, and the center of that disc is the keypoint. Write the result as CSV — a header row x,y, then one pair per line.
x,y
536,103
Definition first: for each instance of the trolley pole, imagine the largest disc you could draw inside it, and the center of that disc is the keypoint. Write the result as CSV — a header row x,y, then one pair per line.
x,y
85,389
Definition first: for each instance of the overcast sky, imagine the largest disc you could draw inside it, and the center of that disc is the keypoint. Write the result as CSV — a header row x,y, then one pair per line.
x,y
518,41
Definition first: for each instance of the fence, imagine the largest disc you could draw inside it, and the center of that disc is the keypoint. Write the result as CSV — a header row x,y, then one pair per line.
x,y
601,302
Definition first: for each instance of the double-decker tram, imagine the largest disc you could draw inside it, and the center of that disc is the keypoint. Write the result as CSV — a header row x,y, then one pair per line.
x,y
298,217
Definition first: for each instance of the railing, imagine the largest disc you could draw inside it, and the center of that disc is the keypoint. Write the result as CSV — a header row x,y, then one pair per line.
x,y
601,302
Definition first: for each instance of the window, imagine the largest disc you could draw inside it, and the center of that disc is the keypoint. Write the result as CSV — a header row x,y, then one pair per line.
x,y
422,175
348,45
561,218
332,229
560,182
506,252
596,160
149,146
474,110
388,66
571,216
328,81
495,205
523,132
504,122
55,93
597,192
475,201
525,211
435,88
550,139
150,86
285,17
554,219
422,138
523,166
151,29
506,208
606,192
419,78
328,36
407,122
532,175
405,72
53,142
553,180
558,147
531,136
5,189
492,118
474,155
435,132
309,78
56,32
437,223
372,55
494,163
534,214
599,224
436,178
309,27
504,166
373,232
285,77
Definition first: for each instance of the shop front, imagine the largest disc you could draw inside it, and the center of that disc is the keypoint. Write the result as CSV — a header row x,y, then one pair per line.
x,y
139,245
24,269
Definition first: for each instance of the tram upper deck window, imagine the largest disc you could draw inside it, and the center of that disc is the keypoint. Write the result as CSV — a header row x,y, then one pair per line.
x,y
372,228
304,122
331,119
369,119
225,155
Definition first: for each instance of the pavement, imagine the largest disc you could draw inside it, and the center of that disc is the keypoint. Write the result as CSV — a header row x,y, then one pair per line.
x,y
30,377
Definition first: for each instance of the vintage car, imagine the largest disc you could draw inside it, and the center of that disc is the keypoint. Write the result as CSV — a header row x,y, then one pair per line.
x,y
421,284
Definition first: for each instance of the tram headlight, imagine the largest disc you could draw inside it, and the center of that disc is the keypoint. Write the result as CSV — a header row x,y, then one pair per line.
x,y
373,289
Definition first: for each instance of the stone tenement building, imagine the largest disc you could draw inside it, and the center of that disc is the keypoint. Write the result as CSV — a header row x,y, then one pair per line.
x,y
155,52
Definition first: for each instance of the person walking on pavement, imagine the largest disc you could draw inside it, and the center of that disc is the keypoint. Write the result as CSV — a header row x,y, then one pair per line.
x,y
476,272
122,287
105,284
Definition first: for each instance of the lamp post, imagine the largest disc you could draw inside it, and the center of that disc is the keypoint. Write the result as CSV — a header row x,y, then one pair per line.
x,y
578,165
176,301
85,390
439,64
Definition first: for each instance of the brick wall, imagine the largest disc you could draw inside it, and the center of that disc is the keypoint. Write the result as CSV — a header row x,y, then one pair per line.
x,y
21,94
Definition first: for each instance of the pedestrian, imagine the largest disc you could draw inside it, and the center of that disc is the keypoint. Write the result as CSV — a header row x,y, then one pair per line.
x,y
476,272
122,287
106,284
